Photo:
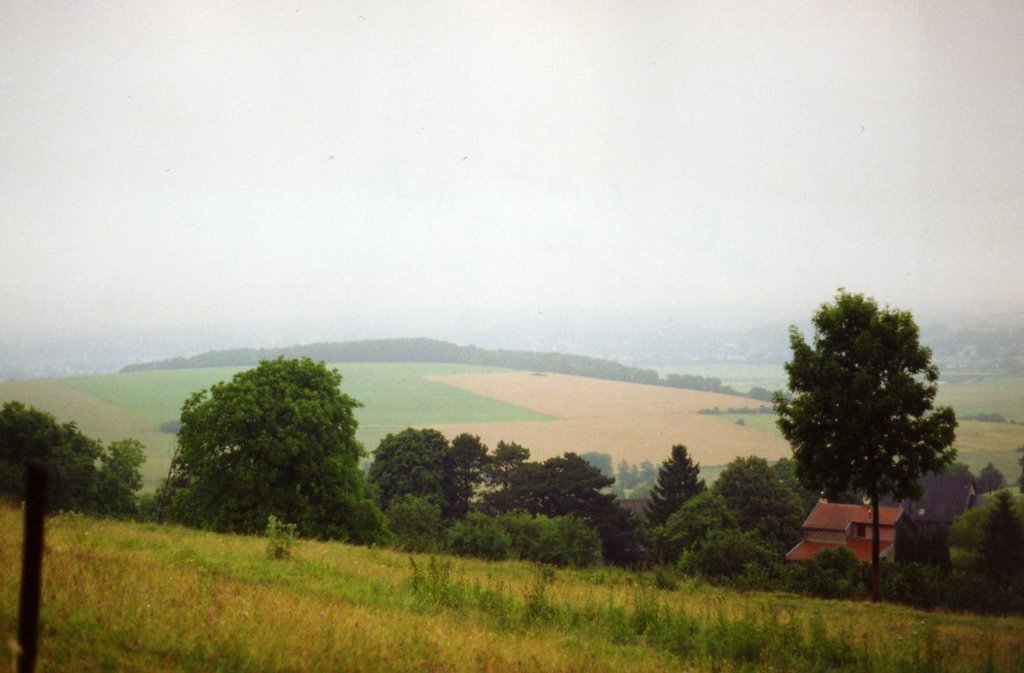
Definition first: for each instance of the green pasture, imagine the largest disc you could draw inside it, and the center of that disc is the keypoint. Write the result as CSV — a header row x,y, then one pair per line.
x,y
976,394
392,394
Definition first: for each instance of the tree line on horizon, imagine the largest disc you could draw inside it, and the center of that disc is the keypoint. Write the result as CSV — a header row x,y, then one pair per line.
x,y
432,350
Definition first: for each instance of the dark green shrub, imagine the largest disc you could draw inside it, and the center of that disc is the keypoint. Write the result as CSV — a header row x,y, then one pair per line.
x,y
479,536
726,555
416,524
832,573
917,584
568,541
928,546
665,577
968,590
524,531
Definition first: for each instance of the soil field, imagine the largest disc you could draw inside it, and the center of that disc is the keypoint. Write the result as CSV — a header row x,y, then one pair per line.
x,y
624,420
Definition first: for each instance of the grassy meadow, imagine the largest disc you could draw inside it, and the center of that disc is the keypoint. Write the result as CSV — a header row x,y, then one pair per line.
x,y
141,597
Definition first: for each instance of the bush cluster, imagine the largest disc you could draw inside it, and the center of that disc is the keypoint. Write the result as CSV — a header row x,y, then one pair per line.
x,y
417,525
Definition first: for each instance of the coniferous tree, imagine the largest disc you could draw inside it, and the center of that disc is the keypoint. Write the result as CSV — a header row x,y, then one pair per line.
x,y
1002,554
990,479
463,471
678,481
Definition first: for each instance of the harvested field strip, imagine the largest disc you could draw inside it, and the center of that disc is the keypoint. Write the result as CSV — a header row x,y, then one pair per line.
x,y
625,420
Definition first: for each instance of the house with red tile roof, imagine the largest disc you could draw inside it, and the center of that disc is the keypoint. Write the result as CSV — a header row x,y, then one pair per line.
x,y
831,525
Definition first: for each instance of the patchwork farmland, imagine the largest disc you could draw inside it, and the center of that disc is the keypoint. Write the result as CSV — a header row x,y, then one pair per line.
x,y
548,413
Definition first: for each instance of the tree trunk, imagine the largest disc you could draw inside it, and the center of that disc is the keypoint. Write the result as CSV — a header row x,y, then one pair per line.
x,y
876,562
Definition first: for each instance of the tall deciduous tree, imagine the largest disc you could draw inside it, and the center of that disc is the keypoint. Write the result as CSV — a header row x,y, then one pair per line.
x,y
761,502
678,481
410,463
692,524
278,440
860,415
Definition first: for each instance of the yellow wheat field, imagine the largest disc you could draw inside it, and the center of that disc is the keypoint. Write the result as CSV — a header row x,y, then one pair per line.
x,y
625,420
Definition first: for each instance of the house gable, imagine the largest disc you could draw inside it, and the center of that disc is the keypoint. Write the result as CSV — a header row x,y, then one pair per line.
x,y
831,525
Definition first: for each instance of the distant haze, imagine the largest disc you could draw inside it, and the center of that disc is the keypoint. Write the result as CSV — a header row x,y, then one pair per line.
x,y
300,171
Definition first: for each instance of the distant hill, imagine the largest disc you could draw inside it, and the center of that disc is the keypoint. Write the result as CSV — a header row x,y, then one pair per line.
x,y
432,350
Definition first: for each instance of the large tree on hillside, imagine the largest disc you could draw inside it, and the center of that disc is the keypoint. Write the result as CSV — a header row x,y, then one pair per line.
x,y
678,481
860,412
410,463
761,502
279,440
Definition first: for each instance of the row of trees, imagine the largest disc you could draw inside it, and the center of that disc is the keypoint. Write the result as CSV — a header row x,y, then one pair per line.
x,y
454,476
85,475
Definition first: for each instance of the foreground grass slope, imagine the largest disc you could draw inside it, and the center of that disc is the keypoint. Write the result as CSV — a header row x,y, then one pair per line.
x,y
131,597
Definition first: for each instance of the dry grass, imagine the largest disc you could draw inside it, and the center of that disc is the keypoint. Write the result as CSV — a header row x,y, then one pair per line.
x,y
147,598
625,420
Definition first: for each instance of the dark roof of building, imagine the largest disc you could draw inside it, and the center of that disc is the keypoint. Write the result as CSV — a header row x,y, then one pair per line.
x,y
945,498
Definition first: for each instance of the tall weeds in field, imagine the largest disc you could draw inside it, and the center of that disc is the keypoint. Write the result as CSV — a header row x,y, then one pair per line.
x,y
432,583
280,538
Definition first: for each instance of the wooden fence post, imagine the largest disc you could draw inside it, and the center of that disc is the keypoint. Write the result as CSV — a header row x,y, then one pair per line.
x,y
31,565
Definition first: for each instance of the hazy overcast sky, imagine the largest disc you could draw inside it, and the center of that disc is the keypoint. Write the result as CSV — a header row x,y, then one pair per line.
x,y
170,163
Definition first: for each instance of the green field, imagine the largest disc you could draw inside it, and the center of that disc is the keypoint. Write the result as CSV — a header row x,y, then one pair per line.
x,y
142,597
969,393
394,396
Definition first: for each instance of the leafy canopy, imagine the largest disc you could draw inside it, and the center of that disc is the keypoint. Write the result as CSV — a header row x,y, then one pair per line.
x,y
411,462
861,414
279,440
84,476
761,502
